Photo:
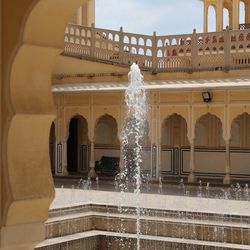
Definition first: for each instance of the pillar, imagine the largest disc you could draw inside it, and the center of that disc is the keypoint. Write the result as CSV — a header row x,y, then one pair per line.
x,y
159,157
121,45
79,16
154,138
64,158
194,50
227,177
88,13
236,13
230,13
247,12
219,15
191,177
121,163
155,167
92,172
205,18
91,12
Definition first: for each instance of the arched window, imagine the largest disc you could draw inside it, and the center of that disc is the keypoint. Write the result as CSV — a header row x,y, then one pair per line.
x,y
159,43
211,19
126,39
242,12
225,18
141,41
159,53
149,52
133,40
149,42
141,51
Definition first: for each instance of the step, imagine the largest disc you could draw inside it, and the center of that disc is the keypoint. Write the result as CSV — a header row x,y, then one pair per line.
x,y
58,242
231,232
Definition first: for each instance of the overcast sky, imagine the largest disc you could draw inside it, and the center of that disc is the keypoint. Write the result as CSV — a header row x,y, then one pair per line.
x,y
145,16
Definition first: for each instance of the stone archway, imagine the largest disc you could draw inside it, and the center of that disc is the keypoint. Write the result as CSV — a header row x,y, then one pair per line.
x,y
33,40
209,146
240,146
77,145
107,144
174,145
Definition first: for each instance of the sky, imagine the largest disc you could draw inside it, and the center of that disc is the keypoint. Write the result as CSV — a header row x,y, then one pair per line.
x,y
146,16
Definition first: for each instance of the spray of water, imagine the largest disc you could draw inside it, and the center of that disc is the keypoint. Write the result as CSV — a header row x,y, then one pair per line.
x,y
132,137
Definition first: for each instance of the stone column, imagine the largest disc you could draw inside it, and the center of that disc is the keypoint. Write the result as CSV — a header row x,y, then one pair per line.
x,y
205,18
154,51
219,15
121,45
247,12
155,167
227,49
191,177
159,157
93,38
230,13
64,158
92,172
90,12
236,13
227,177
121,163
79,16
194,50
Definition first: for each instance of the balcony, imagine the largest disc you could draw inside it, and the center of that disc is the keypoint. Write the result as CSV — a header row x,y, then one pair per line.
x,y
229,49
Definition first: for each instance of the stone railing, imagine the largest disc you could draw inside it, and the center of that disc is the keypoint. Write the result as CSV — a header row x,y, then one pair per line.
x,y
189,52
244,26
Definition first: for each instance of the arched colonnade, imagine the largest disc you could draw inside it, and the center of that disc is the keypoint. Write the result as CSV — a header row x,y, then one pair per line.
x,y
82,144
225,13
209,147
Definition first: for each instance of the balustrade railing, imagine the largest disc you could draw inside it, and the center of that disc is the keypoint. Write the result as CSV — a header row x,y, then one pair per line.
x,y
187,52
244,26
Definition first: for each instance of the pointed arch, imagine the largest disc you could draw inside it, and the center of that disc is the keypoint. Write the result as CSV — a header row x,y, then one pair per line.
x,y
239,134
174,131
209,131
106,115
77,144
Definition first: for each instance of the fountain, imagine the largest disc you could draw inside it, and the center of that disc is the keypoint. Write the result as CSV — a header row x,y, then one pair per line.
x,y
132,136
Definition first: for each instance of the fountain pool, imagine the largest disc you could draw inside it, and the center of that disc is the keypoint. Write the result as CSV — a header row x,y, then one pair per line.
x,y
89,219
94,219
